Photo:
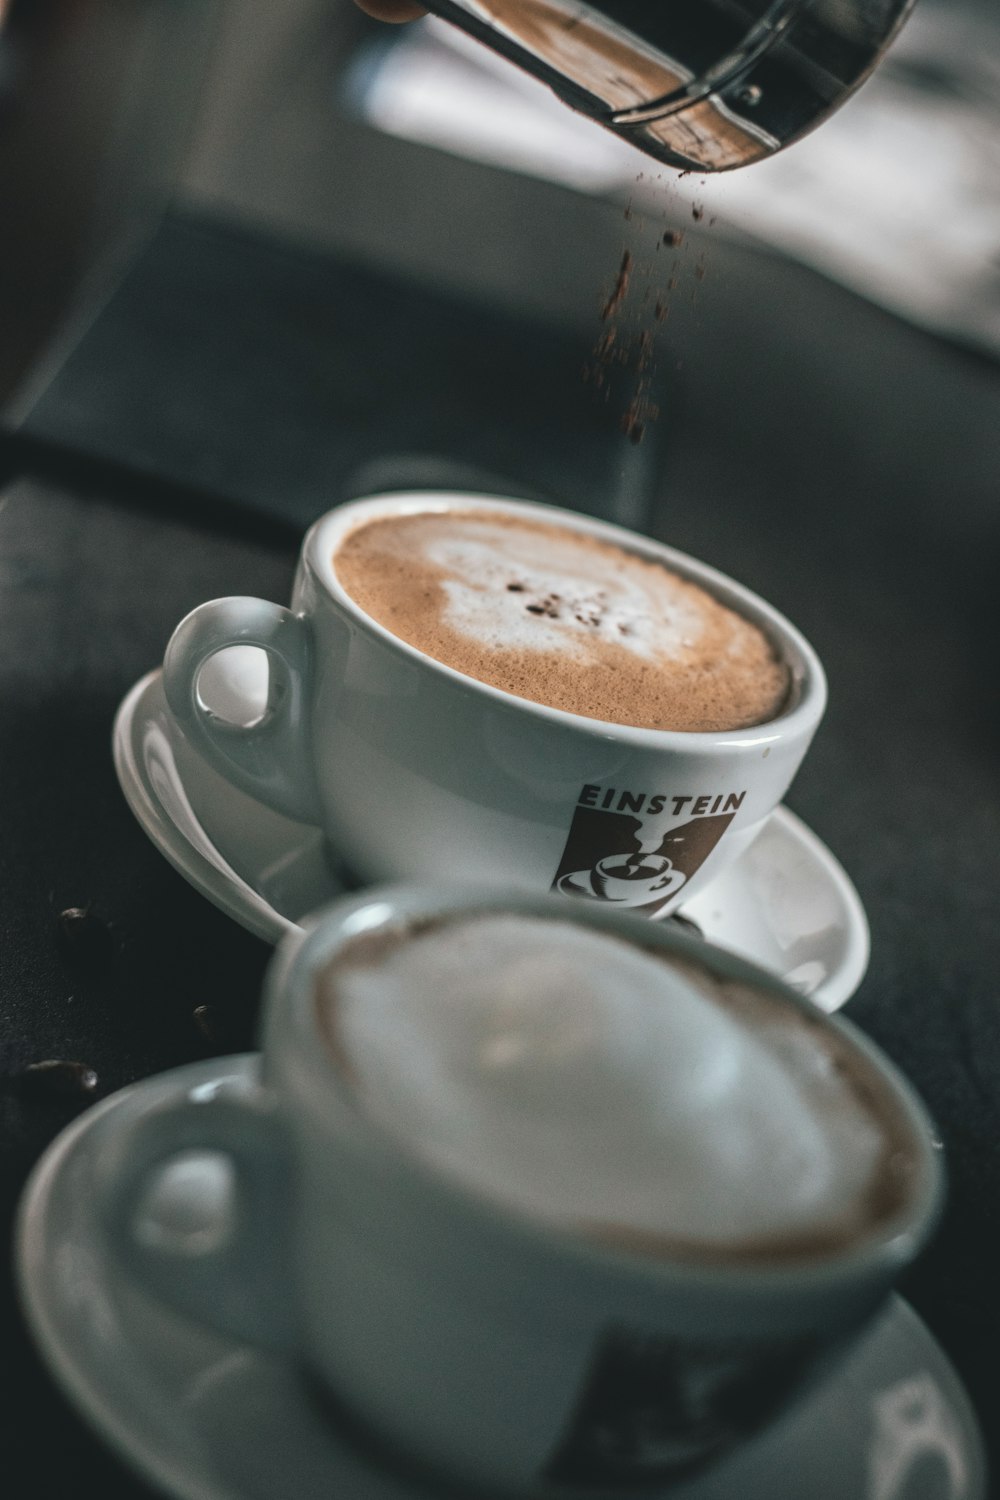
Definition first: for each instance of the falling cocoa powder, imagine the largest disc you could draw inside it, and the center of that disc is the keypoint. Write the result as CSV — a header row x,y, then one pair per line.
x,y
623,361
639,412
620,290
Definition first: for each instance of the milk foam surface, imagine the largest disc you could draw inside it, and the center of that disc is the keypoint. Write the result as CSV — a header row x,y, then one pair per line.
x,y
647,612
580,1079
563,618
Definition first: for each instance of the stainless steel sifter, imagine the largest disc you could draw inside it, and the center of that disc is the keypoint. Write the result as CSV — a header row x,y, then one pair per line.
x,y
704,85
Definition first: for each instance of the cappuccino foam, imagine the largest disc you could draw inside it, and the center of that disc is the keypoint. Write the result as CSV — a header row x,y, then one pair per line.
x,y
563,618
599,1086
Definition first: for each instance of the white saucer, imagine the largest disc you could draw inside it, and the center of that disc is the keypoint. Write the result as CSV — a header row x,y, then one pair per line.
x,y
209,1419
786,903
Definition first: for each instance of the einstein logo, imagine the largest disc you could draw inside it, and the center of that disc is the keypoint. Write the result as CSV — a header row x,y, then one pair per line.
x,y
639,849
652,1410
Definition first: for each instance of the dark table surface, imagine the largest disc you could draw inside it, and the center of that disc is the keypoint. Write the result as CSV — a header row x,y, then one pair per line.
x,y
853,477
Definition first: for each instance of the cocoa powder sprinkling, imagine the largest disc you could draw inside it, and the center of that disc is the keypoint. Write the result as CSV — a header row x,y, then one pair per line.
x,y
634,311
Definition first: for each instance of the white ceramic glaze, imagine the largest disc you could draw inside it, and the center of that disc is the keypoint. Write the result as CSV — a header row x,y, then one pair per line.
x,y
785,903
417,772
561,1362
203,1417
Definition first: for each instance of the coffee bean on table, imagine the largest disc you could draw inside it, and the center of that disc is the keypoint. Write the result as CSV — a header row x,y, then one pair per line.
x,y
86,937
206,1018
60,1077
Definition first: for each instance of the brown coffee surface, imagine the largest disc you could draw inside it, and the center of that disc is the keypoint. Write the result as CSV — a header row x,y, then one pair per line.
x,y
563,618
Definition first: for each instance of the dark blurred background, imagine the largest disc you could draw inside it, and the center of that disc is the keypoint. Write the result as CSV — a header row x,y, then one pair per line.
x,y
264,132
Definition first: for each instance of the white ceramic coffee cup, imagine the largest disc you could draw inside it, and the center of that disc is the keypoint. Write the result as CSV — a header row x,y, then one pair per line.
x,y
464,1335
416,771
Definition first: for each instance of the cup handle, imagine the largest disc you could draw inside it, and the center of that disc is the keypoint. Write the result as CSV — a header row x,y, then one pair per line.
x,y
237,1280
271,758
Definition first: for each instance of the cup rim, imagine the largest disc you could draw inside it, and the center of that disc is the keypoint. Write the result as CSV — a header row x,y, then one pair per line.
x,y
291,1004
808,677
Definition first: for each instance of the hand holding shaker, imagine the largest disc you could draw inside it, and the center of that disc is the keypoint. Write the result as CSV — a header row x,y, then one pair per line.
x,y
485,690
551,1199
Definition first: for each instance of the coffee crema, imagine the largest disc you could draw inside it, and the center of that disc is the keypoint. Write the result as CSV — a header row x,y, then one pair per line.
x,y
563,618
616,1091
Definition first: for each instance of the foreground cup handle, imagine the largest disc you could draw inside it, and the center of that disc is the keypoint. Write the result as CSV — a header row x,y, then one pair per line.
x,y
234,1277
271,758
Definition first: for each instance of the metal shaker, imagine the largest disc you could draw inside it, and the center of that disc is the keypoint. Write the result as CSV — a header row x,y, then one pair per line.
x,y
704,85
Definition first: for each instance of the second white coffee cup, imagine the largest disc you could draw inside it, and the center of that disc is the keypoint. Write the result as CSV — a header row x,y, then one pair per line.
x,y
469,1278
415,770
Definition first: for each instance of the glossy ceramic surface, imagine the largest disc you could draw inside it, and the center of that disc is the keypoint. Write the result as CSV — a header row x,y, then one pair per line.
x,y
205,1418
785,903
